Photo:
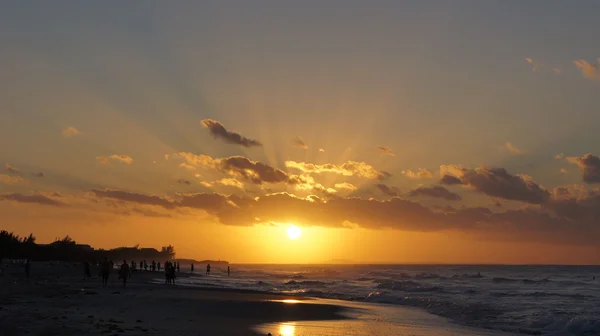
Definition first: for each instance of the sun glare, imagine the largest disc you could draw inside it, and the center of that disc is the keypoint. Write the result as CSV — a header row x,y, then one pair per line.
x,y
294,232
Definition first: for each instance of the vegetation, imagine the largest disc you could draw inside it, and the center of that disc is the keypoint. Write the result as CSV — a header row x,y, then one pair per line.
x,y
66,249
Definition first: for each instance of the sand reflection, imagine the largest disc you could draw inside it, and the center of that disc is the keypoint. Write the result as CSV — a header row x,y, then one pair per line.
x,y
287,329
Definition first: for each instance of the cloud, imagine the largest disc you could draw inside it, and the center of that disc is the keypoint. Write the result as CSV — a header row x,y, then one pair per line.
x,y
450,180
254,171
535,65
134,197
231,182
187,166
345,185
184,181
103,160
386,151
393,191
69,132
7,179
11,169
299,143
590,71
497,182
589,165
115,157
559,156
321,150
39,174
122,158
219,132
563,171
511,148
36,198
436,192
421,174
349,168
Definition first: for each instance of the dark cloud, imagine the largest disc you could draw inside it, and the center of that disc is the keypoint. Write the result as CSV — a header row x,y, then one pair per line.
x,y
568,220
40,174
497,182
299,143
250,170
450,180
384,150
393,191
436,192
184,181
219,132
589,165
31,198
135,197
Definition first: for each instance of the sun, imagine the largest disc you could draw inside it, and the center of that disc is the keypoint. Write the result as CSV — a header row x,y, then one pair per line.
x,y
294,232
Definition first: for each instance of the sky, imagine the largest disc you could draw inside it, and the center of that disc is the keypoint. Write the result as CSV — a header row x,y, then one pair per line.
x,y
389,132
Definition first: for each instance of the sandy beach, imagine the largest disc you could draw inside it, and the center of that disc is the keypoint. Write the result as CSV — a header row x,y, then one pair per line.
x,y
55,300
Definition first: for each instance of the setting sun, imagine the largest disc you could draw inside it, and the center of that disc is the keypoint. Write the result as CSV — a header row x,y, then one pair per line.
x,y
294,232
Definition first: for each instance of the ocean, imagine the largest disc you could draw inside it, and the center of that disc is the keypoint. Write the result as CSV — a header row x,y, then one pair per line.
x,y
530,300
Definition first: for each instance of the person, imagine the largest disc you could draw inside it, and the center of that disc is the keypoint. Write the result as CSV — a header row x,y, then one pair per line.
x,y
192,268
124,273
228,270
141,265
104,271
207,269
145,265
27,268
178,265
167,273
86,270
132,266
153,265
158,266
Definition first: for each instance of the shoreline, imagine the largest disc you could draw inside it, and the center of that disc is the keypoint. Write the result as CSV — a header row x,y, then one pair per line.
x,y
64,304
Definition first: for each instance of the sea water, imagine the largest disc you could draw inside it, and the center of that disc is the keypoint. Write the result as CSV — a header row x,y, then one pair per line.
x,y
534,300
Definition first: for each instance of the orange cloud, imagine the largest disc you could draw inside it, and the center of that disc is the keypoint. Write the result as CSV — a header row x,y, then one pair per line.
x,y
423,173
7,179
346,185
69,132
511,148
349,168
590,71
11,169
115,157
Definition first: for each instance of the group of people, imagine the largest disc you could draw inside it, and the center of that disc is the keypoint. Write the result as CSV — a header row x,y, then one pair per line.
x,y
125,270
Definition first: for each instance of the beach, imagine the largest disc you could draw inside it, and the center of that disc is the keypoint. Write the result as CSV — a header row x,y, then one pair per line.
x,y
56,300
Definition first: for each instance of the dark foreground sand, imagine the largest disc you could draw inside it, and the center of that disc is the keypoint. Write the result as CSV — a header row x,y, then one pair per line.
x,y
55,300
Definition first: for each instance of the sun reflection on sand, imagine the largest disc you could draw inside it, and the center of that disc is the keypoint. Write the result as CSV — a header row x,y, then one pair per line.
x,y
287,329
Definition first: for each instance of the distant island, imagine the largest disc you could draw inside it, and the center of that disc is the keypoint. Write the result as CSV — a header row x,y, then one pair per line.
x,y
13,246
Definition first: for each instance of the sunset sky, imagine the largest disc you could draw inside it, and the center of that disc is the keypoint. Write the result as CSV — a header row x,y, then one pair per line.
x,y
389,131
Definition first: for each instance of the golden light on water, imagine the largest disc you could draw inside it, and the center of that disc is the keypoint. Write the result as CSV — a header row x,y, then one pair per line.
x,y
287,329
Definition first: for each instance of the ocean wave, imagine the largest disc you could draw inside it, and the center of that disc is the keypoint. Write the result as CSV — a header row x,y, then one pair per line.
x,y
409,286
306,283
539,294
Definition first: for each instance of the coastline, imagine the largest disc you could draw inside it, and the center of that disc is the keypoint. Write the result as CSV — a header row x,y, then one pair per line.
x,y
64,304
55,300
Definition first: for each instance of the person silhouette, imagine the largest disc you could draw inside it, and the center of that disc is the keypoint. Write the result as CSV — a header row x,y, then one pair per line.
x,y
178,265
86,270
141,265
104,271
228,270
124,273
207,269
158,266
192,268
